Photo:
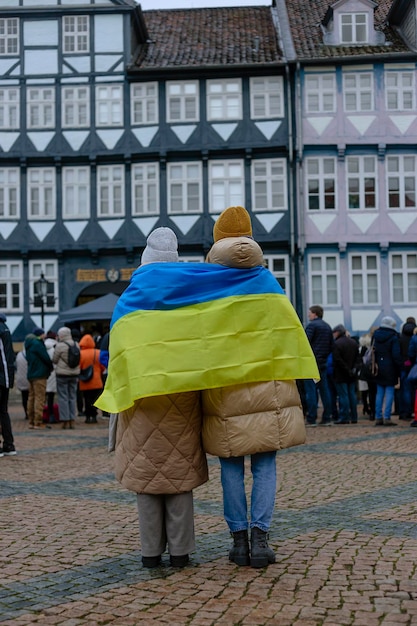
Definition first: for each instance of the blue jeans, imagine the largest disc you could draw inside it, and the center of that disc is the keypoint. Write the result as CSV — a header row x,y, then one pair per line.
x,y
311,389
388,394
66,387
264,475
347,402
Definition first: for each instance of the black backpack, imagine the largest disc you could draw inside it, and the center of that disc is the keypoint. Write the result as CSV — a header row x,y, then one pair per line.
x,y
73,357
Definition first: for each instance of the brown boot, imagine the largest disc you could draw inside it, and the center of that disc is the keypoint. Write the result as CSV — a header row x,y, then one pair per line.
x,y
64,425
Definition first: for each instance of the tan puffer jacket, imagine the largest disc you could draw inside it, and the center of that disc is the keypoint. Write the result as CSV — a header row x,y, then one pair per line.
x,y
252,417
158,445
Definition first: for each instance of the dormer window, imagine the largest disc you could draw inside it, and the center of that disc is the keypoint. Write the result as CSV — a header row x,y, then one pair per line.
x,y
353,28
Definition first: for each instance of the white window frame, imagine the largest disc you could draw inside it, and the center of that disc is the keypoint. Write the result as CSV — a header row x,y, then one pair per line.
x,y
364,274
9,36
320,92
9,193
109,105
11,286
224,99
401,181
184,182
9,108
110,191
269,185
49,268
358,91
323,183
351,25
363,176
41,193
75,192
399,95
144,103
145,189
41,107
226,184
76,106
403,277
279,266
324,283
75,34
266,97
183,98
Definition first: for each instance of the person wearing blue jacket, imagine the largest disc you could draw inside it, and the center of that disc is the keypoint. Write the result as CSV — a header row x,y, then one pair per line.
x,y
389,361
7,372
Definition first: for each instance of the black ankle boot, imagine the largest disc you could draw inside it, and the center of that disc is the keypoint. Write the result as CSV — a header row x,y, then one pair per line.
x,y
261,553
239,553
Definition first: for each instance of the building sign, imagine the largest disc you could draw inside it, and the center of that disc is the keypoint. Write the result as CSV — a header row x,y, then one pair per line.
x,y
101,275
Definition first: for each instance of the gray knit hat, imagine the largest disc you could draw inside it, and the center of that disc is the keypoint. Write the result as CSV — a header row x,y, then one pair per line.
x,y
161,247
388,322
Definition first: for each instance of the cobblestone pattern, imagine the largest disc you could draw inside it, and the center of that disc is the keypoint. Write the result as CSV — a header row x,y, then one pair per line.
x,y
344,530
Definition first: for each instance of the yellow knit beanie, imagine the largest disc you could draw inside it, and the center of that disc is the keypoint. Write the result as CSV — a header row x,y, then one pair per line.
x,y
233,222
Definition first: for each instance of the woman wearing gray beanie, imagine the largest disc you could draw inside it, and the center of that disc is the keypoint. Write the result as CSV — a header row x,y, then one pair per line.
x,y
388,360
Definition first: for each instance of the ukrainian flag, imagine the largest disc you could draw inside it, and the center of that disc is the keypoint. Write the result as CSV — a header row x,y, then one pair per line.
x,y
192,326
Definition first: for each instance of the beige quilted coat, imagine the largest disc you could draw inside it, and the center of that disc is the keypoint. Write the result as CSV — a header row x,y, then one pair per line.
x,y
158,445
253,417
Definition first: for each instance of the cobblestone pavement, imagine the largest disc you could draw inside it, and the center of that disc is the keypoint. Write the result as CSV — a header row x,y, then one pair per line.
x,y
345,534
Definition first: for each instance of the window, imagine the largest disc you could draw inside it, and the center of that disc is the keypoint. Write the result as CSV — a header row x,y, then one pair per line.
x,y
321,184
50,271
267,97
76,107
75,34
41,193
145,189
358,91
9,108
9,36
9,193
403,278
75,192
361,183
279,266
41,107
226,185
269,185
109,105
400,90
182,101
364,272
11,286
354,28
184,188
110,192
324,283
224,99
144,103
401,172
320,93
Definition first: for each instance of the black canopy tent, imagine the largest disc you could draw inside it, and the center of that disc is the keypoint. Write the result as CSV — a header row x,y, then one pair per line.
x,y
100,309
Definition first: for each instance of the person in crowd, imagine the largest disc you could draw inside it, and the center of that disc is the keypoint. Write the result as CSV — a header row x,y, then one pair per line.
x,y
232,415
158,452
412,355
389,361
50,343
7,373
363,386
345,365
320,336
66,378
332,388
104,360
39,368
21,379
91,388
405,392
76,335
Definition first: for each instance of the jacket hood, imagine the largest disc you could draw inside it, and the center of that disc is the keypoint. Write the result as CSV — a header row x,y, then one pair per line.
x,y
64,334
87,342
384,334
31,338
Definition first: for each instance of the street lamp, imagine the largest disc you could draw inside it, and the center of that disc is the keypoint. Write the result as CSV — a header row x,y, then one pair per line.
x,y
41,296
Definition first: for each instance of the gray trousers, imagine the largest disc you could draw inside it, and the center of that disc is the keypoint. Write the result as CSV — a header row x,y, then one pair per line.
x,y
166,519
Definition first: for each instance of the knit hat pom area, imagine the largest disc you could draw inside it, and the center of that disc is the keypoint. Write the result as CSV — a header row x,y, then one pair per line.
x,y
161,247
233,222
